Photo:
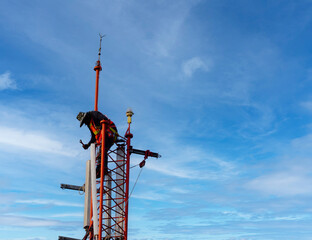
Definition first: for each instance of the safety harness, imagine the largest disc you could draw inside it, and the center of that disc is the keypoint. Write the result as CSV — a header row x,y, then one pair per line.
x,y
111,132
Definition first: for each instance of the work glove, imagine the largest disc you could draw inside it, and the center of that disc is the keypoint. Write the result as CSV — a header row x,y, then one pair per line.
x,y
85,146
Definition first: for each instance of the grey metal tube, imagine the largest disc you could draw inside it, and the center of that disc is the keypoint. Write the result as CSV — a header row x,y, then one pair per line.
x,y
87,204
94,192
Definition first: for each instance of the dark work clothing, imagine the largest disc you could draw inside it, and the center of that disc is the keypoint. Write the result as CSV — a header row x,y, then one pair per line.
x,y
93,121
97,117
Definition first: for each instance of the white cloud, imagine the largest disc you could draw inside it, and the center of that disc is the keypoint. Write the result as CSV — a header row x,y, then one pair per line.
x,y
174,171
282,184
50,202
75,214
167,30
238,214
150,196
194,64
290,218
30,238
31,140
183,160
179,190
290,174
302,144
22,221
307,105
211,168
6,82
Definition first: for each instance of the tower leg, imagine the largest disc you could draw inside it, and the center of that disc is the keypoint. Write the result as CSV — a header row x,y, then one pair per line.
x,y
87,205
94,192
120,190
108,212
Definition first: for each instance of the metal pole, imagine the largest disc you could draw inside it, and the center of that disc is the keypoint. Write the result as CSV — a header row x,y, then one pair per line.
x,y
97,69
94,192
66,238
103,155
108,214
120,188
91,219
128,136
73,187
87,205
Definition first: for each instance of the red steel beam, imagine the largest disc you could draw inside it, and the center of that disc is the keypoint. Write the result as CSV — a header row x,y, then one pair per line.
x,y
103,152
128,136
97,70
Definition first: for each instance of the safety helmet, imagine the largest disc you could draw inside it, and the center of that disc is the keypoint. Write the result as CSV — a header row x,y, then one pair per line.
x,y
81,116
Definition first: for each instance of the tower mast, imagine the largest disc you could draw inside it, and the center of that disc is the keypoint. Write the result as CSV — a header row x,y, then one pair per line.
x,y
97,69
107,197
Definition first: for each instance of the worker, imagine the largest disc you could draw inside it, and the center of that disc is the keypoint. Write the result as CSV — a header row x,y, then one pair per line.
x,y
93,120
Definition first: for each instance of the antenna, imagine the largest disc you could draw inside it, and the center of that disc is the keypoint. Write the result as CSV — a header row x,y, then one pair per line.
x,y
101,36
107,196
97,69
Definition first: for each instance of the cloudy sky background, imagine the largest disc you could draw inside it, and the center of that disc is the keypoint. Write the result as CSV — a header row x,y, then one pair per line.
x,y
222,89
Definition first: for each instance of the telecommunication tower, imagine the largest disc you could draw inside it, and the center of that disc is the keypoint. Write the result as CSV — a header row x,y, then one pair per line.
x,y
107,198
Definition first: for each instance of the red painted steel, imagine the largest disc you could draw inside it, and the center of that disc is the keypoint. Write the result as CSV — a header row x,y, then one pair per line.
x,y
128,136
113,193
97,69
112,189
103,153
91,221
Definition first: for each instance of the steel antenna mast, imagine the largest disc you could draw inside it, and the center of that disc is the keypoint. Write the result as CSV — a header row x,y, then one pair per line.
x,y
107,197
97,69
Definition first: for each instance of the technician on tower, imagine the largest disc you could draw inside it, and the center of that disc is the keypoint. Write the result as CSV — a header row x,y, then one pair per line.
x,y
93,120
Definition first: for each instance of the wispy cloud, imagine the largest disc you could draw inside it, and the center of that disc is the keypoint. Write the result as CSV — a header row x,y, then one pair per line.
x,y
307,105
237,87
153,196
237,214
282,184
49,202
6,81
31,140
178,190
22,221
168,30
289,173
182,160
194,64
210,168
302,144
74,214
15,222
190,162
31,238
174,171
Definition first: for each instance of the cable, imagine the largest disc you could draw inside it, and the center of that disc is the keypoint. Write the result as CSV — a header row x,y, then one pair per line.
x,y
135,165
136,182
134,185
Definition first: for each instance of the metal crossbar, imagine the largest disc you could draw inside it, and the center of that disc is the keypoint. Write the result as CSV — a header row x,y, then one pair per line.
x,y
114,194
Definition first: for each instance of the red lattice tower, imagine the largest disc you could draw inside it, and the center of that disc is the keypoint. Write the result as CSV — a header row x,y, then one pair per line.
x,y
113,194
113,197
109,194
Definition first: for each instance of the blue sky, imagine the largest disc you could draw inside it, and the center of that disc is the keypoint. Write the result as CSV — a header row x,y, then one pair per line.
x,y
222,89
